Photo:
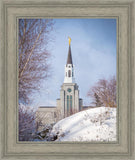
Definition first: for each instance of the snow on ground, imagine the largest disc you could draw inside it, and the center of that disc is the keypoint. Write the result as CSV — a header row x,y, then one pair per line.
x,y
96,124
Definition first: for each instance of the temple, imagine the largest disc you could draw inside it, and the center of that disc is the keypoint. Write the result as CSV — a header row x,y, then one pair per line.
x,y
69,101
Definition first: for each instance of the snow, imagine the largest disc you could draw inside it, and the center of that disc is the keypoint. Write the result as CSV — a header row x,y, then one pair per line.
x,y
96,124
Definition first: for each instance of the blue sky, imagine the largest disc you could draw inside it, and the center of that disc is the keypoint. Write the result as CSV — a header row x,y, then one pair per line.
x,y
93,49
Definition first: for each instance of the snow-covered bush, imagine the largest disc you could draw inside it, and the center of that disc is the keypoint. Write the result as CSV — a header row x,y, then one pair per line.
x,y
98,118
44,134
58,132
26,123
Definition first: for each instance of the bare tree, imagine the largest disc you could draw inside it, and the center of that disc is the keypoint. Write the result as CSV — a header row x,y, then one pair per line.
x,y
97,101
33,55
105,90
26,123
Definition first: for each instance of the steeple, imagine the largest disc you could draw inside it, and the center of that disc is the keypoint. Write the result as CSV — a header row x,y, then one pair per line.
x,y
69,68
69,58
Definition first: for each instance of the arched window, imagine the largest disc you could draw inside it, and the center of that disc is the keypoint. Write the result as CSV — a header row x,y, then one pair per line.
x,y
71,111
69,73
69,105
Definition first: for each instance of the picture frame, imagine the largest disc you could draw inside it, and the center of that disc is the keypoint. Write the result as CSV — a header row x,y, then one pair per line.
x,y
124,12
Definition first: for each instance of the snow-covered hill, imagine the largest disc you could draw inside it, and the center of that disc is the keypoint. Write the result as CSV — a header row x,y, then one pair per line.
x,y
97,124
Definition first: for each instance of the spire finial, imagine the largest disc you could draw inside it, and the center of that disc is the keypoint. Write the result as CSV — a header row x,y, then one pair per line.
x,y
69,59
69,39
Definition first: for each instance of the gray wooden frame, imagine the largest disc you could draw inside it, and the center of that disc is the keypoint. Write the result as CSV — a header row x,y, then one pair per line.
x,y
123,11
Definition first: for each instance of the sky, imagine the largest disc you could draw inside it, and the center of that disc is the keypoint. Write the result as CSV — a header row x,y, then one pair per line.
x,y
93,47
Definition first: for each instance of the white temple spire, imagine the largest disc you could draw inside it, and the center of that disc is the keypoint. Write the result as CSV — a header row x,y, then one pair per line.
x,y
69,68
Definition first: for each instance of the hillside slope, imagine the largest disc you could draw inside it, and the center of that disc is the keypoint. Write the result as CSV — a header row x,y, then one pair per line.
x,y
97,124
